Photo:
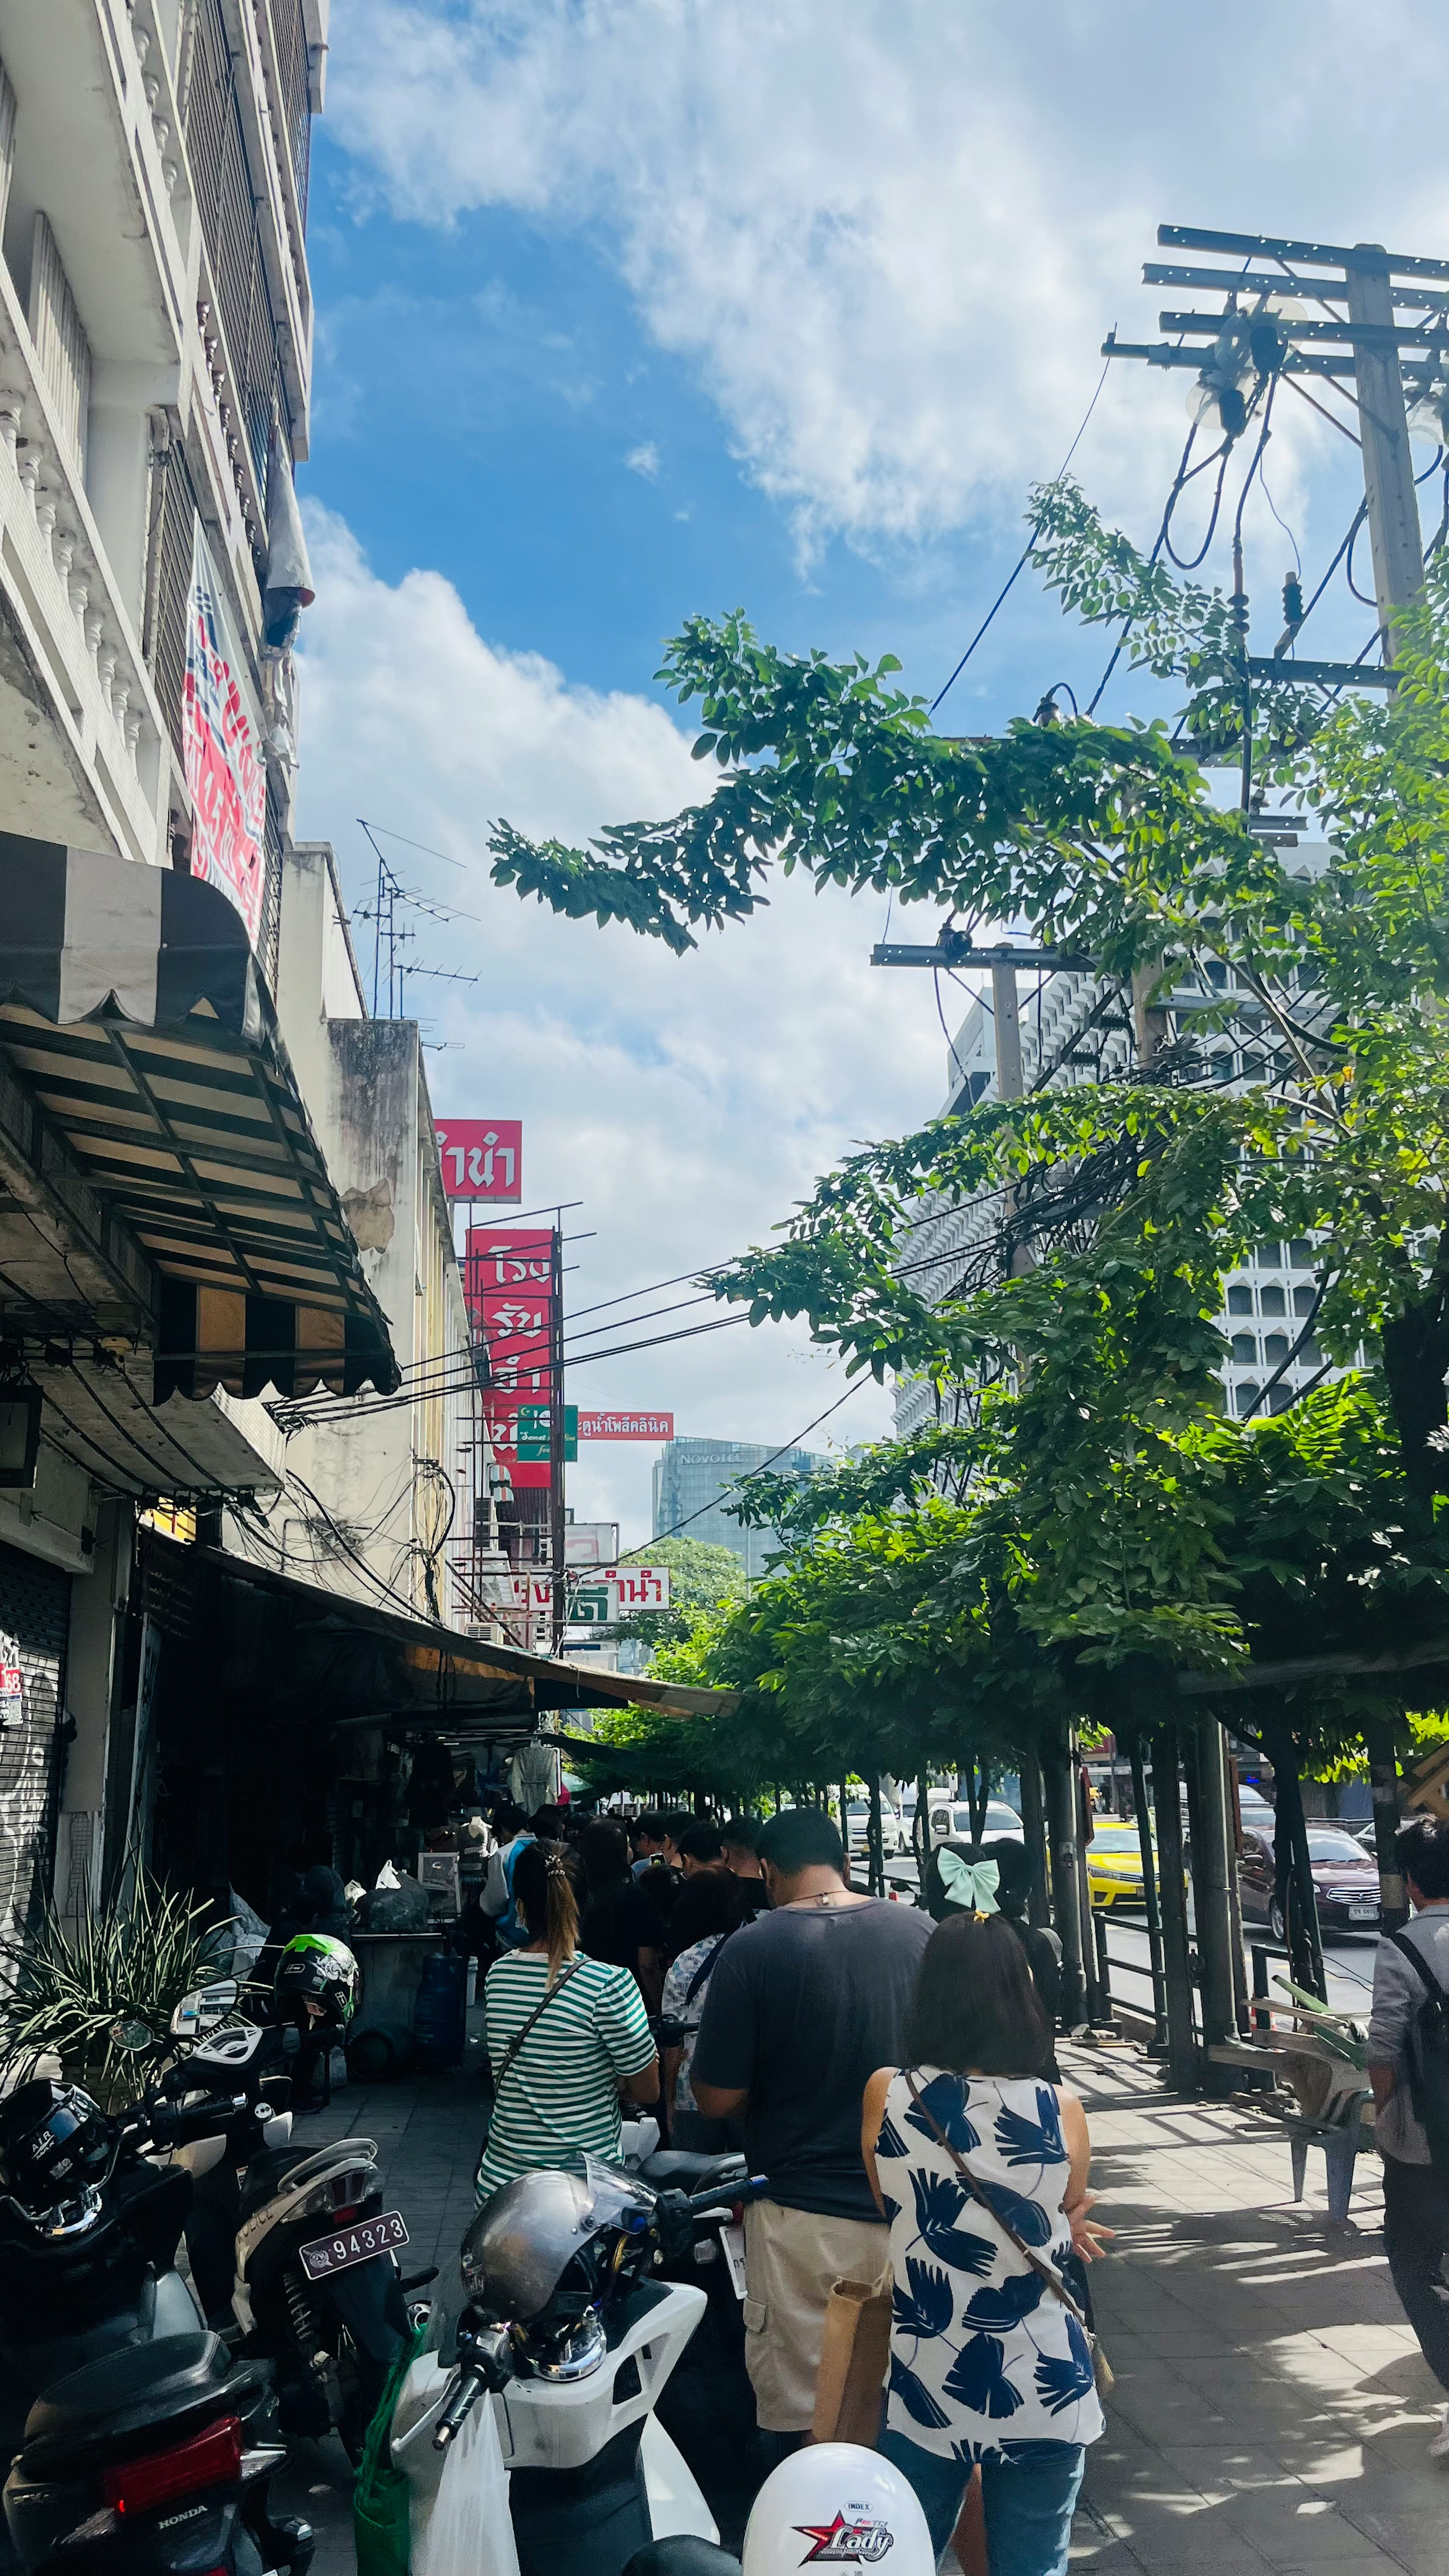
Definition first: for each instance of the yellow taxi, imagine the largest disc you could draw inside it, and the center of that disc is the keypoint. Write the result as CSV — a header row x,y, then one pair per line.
x,y
1114,1863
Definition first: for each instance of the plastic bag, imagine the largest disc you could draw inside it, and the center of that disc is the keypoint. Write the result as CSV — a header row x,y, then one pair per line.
x,y
380,2524
461,2525
398,1903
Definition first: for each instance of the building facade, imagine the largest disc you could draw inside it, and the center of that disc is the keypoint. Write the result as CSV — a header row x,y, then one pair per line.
x,y
1076,1027
694,1479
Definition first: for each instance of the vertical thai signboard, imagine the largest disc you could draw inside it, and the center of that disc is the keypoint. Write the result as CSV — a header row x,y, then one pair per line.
x,y
225,764
508,1281
482,1158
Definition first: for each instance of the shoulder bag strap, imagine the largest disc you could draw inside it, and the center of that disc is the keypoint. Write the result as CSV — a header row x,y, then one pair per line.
x,y
1412,1952
1043,2271
705,1970
539,2009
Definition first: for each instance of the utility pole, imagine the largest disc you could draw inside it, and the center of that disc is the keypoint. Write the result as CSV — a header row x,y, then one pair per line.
x,y
557,1422
1006,1018
1395,538
1253,340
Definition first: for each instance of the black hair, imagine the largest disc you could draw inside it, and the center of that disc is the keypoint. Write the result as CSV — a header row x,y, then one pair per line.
x,y
976,2004
1013,1877
647,1828
1421,1848
604,1851
802,1838
741,1833
677,1822
507,1820
701,1841
547,1883
709,1902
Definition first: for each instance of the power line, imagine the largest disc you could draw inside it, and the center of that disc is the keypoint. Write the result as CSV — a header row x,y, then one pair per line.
x,y
1025,554
740,1482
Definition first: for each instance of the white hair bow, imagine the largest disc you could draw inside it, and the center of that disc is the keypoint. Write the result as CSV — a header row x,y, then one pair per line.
x,y
970,1884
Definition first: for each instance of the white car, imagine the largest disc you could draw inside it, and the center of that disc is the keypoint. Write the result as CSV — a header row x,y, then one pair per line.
x,y
857,1815
951,1822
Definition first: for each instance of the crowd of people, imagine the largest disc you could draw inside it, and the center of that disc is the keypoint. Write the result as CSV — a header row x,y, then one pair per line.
x,y
890,2070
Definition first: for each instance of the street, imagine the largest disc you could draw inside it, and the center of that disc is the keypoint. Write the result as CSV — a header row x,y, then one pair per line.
x,y
1349,1963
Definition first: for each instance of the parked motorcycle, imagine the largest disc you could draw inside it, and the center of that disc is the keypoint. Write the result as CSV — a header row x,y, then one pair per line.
x,y
555,2315
112,2400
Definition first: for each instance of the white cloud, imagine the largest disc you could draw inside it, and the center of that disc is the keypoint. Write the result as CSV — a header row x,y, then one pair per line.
x,y
644,460
890,236
689,1102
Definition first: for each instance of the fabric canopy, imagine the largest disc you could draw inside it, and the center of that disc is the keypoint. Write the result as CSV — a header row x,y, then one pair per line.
x,y
133,1010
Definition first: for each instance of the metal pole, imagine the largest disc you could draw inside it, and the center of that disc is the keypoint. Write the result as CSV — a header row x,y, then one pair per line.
x,y
1234,1814
1095,2006
1151,1903
1105,2018
1395,536
1262,2014
1061,1807
1010,1082
556,1433
1378,1738
876,1840
1033,1825
1181,2039
1210,1885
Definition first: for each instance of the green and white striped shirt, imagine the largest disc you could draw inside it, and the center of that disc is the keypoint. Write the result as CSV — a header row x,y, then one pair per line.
x,y
561,2092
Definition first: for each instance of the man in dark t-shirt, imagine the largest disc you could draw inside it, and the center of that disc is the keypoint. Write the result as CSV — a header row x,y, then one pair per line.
x,y
803,2006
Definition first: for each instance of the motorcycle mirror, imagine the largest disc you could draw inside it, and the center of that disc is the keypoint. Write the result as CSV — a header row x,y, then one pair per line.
x,y
132,2036
203,2008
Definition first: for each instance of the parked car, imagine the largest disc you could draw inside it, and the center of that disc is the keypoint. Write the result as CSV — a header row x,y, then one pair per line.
x,y
951,1822
1345,1879
857,1817
1114,1863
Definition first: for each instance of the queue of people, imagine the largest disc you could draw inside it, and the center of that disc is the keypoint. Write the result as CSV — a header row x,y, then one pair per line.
x,y
891,2071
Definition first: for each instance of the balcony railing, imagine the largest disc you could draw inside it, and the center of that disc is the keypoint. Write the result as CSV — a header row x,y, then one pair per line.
x,y
60,594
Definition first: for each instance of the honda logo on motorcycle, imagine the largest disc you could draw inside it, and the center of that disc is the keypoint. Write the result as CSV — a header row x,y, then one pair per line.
x,y
862,2538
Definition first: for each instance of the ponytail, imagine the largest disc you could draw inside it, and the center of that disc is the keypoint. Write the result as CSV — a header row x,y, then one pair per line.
x,y
544,1877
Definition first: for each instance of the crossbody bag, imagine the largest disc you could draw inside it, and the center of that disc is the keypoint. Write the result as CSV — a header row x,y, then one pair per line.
x,y
510,2053
1101,2367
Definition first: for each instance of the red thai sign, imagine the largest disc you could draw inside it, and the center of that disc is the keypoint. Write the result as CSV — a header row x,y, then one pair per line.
x,y
482,1158
626,1426
222,755
507,1282
517,1329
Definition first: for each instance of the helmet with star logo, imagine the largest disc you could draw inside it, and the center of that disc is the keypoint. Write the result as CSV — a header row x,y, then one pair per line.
x,y
834,2506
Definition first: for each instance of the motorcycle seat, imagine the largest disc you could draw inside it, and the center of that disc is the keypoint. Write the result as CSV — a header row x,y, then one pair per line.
x,y
265,2175
674,2169
148,2389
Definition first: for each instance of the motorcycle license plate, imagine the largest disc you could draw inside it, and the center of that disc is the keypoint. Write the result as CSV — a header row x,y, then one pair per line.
x,y
328,2254
1363,1914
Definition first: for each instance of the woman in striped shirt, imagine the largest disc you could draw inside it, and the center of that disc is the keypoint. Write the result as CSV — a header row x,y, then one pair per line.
x,y
567,2035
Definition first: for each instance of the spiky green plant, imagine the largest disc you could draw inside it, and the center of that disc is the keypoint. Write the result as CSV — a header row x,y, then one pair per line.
x,y
100,1992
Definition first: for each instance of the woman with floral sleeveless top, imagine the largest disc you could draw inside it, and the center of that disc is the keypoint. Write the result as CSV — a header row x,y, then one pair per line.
x,y
987,2365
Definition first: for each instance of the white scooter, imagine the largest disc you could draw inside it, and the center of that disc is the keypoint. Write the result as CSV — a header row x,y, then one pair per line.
x,y
552,2318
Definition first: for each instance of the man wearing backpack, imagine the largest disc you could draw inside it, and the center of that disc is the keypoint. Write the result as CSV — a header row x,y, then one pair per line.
x,y
1408,2044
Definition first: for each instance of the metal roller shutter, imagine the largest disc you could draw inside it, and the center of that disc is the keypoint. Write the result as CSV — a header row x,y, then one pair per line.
x,y
34,1620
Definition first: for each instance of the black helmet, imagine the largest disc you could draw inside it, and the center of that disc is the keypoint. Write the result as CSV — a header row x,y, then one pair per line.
x,y
56,2147
319,1971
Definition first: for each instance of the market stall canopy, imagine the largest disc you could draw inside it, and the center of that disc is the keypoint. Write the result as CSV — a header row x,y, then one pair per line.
x,y
153,1136
341,1661
97,1411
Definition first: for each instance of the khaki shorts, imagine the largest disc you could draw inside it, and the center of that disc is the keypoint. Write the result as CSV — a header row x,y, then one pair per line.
x,y
793,2259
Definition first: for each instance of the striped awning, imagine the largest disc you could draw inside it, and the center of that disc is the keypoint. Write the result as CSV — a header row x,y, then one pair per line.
x,y
133,1010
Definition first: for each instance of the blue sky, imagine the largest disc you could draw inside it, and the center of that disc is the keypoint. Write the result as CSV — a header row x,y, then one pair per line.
x,y
629,308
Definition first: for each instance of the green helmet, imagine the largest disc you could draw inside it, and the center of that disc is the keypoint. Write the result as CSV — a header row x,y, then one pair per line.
x,y
319,1971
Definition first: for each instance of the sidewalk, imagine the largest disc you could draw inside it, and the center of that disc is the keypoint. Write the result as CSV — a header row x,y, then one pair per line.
x,y
1271,2408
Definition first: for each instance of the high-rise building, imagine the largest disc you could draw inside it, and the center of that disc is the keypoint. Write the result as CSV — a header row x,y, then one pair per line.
x,y
1075,1028
695,1479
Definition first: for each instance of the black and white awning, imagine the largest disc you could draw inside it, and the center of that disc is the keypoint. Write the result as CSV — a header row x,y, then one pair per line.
x,y
134,1015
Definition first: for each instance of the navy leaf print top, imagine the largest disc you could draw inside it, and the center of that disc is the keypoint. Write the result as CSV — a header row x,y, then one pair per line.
x,y
986,2363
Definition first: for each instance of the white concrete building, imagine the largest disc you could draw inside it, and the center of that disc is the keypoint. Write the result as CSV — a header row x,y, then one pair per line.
x,y
1077,1028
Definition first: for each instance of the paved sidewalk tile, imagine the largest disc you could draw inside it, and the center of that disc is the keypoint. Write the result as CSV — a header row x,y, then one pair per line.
x,y
1272,2410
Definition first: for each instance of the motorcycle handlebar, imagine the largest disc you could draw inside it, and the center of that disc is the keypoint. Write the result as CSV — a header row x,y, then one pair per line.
x,y
725,2194
468,2388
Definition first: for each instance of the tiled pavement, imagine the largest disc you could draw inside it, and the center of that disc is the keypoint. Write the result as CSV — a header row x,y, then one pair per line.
x,y
1271,2412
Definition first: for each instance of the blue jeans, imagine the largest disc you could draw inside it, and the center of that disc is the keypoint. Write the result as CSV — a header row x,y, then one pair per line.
x,y
1028,2507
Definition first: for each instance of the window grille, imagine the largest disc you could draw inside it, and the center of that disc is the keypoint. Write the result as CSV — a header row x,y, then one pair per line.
x,y
225,202
269,928
173,508
61,345
289,35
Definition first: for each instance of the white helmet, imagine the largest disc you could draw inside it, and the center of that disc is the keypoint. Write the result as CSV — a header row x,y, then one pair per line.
x,y
834,2505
